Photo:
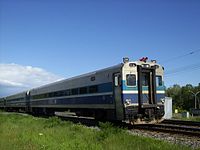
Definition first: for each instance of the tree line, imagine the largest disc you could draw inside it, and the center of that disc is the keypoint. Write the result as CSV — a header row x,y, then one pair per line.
x,y
183,96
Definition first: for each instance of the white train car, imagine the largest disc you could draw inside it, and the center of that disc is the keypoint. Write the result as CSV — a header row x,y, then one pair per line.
x,y
2,103
131,92
16,101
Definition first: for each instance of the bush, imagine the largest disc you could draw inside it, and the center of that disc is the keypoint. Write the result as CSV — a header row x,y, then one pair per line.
x,y
107,130
53,122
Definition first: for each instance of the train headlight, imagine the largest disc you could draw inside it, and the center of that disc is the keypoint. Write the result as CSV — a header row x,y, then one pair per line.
x,y
162,100
145,65
128,101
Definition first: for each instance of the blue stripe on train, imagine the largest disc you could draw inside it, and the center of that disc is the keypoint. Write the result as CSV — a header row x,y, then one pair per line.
x,y
103,99
134,97
135,88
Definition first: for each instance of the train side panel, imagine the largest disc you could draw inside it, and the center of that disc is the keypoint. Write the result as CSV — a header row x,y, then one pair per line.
x,y
16,102
89,95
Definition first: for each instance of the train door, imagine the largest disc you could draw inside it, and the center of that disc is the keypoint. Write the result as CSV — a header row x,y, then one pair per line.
x,y
146,88
28,108
4,103
118,97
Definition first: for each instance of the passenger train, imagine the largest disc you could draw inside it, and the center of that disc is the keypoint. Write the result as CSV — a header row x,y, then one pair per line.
x,y
132,91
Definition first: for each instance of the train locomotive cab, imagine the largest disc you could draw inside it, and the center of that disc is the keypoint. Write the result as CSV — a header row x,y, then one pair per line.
x,y
143,91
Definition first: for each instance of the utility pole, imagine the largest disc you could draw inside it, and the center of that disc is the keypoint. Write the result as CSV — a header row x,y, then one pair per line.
x,y
195,98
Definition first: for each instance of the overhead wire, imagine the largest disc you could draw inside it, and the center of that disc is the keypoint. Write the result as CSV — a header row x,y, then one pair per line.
x,y
180,56
184,68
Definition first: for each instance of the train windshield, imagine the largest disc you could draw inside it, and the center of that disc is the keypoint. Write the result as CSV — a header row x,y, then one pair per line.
x,y
145,79
131,79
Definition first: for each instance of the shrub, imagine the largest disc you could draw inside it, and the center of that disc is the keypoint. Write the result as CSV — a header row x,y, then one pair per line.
x,y
53,122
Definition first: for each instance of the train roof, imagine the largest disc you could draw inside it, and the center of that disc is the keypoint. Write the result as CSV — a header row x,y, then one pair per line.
x,y
91,73
63,80
16,94
80,76
83,75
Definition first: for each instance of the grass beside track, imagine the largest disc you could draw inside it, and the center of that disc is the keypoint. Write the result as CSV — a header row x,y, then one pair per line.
x,y
196,118
19,132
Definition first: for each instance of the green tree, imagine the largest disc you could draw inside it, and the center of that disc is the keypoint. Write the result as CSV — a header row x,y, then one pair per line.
x,y
174,92
182,97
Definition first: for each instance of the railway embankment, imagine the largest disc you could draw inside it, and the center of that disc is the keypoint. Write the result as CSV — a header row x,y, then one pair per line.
x,y
27,132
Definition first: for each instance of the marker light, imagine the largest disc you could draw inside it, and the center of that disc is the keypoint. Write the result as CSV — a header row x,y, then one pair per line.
x,y
125,59
153,61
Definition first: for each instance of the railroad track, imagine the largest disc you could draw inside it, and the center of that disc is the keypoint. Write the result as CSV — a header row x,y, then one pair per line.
x,y
181,122
188,130
169,126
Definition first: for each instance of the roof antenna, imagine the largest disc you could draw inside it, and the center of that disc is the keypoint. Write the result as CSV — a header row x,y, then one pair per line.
x,y
144,59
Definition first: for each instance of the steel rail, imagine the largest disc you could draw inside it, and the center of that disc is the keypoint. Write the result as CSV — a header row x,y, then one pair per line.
x,y
181,122
169,128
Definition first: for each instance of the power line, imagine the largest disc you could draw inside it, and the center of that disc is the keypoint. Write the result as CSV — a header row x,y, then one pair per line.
x,y
174,73
191,67
183,69
181,56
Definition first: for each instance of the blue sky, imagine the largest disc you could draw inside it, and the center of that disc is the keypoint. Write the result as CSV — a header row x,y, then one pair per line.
x,y
71,37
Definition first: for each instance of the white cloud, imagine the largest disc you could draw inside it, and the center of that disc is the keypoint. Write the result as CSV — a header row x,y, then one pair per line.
x,y
9,83
15,78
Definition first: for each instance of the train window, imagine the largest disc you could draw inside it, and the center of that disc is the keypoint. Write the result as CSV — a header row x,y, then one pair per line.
x,y
46,95
34,96
145,79
93,89
158,81
67,92
74,91
56,94
116,81
83,90
59,93
131,79
41,96
92,78
51,95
